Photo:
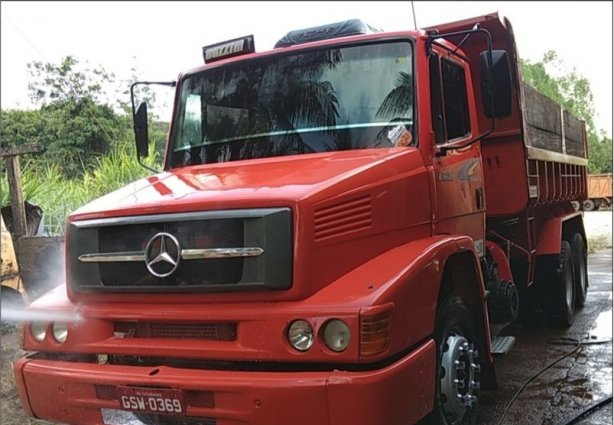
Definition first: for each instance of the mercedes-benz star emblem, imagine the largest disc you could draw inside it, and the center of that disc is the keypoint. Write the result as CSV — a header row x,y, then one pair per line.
x,y
162,254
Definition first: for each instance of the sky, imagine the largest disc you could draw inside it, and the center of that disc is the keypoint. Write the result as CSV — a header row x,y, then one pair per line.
x,y
161,39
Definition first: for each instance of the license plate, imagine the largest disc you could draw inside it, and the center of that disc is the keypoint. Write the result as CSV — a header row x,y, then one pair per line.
x,y
151,400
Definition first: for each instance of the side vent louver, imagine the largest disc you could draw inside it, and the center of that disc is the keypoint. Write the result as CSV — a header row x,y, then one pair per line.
x,y
343,218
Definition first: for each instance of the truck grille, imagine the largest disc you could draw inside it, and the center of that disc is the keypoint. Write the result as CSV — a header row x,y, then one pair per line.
x,y
202,331
193,235
230,250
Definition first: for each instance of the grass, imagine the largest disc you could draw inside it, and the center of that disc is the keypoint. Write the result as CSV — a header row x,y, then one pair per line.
x,y
58,196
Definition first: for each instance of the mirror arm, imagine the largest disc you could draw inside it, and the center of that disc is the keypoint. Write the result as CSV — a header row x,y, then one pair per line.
x,y
147,83
132,86
142,164
475,27
442,149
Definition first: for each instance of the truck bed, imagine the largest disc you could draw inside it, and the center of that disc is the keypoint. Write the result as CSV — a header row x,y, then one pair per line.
x,y
556,149
551,128
544,162
537,155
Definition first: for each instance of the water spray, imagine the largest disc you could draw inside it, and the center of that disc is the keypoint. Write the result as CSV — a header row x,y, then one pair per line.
x,y
20,315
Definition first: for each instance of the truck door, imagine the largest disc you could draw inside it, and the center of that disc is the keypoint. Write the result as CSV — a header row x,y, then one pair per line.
x,y
458,172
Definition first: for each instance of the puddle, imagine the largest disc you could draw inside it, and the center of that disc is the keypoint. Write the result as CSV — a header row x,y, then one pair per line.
x,y
602,328
600,363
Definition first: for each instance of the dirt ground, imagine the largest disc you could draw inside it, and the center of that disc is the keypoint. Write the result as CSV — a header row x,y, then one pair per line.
x,y
10,406
598,227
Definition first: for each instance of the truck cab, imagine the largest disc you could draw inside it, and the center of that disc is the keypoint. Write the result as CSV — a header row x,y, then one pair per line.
x,y
316,249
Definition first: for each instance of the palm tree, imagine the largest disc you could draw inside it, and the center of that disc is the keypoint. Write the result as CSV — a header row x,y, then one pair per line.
x,y
399,100
298,98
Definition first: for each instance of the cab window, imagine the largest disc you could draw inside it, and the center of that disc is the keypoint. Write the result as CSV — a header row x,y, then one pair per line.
x,y
449,105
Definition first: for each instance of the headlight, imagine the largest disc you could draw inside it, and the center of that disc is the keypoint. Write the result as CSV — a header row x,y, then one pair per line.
x,y
337,335
300,335
38,330
60,331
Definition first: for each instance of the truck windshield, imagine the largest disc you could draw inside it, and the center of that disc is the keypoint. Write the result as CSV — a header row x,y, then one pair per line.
x,y
355,97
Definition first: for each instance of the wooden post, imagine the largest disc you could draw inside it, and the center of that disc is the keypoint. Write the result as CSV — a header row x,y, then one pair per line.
x,y
14,174
17,206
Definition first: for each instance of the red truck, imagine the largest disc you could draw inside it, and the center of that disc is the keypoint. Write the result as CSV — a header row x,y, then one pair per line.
x,y
341,226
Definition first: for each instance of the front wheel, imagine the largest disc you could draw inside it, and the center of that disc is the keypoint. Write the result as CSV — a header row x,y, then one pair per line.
x,y
457,384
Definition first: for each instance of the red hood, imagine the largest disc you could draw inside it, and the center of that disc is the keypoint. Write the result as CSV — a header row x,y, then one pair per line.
x,y
270,182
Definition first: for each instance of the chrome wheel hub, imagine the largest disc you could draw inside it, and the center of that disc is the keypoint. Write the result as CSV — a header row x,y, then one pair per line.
x,y
459,382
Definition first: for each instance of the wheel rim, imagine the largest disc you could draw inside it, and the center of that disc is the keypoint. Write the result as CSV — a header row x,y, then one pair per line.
x,y
459,382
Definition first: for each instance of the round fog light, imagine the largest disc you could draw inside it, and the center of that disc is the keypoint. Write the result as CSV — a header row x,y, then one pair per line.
x,y
60,331
39,331
300,335
337,335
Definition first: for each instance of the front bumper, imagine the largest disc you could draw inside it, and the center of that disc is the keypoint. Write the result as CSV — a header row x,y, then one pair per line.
x,y
77,393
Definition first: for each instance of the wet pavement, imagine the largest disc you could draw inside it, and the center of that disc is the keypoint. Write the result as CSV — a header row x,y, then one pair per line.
x,y
573,384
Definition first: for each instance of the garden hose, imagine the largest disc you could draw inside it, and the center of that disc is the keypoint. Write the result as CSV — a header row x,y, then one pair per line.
x,y
577,346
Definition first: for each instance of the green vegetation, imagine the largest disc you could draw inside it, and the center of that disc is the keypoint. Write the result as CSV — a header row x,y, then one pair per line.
x,y
89,144
573,91
58,195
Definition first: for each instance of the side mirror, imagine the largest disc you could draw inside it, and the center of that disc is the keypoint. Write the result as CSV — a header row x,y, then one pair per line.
x,y
496,84
141,133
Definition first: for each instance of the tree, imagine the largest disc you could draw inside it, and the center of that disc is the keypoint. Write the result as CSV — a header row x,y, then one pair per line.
x,y
600,152
67,81
573,91
81,131
75,124
21,126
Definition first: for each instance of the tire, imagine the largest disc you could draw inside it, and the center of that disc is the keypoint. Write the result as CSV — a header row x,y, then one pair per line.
x,y
575,205
578,252
563,288
589,205
455,336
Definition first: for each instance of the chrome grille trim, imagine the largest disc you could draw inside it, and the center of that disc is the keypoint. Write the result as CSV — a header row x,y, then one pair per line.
x,y
197,254
112,257
186,254
161,218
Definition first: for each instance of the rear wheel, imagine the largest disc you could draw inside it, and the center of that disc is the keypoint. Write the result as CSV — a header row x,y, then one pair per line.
x,y
578,252
589,205
457,375
562,286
